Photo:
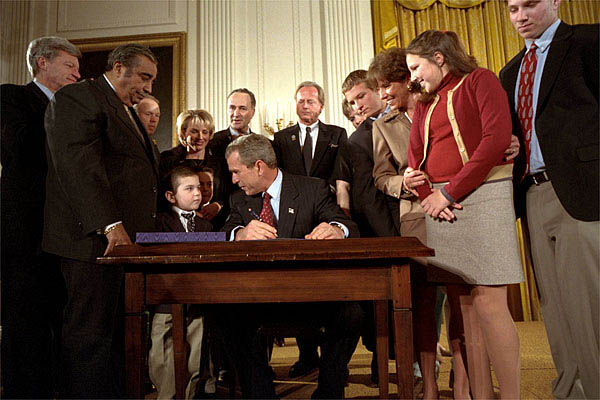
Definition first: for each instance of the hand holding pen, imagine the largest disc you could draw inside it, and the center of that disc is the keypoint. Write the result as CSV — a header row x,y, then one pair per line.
x,y
256,230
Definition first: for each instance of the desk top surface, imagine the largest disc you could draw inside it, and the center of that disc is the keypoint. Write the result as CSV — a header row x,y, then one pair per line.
x,y
268,251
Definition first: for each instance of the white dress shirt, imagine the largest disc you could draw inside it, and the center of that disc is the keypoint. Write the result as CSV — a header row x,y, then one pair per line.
x,y
314,134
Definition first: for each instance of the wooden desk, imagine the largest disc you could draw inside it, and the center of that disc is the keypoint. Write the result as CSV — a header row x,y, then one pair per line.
x,y
269,271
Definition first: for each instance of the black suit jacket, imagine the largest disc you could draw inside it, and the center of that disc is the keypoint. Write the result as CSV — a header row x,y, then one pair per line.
x,y
100,171
566,120
217,145
24,167
289,157
169,221
220,140
369,206
305,203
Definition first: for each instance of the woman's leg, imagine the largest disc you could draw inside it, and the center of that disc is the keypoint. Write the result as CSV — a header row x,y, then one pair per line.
x,y
500,335
478,363
456,340
468,337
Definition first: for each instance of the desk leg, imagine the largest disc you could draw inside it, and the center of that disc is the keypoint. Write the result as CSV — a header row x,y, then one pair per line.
x,y
403,330
135,334
382,346
179,350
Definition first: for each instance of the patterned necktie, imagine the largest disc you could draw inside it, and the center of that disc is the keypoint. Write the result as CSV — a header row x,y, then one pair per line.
x,y
191,225
307,151
266,214
525,105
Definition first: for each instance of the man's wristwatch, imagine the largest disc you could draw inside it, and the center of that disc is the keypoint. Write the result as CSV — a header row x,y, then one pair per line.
x,y
110,229
338,225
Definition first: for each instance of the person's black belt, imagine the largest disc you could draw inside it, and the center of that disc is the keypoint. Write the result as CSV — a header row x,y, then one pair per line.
x,y
536,179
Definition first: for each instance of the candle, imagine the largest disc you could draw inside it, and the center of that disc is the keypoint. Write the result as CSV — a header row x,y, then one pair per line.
x,y
278,114
266,114
291,105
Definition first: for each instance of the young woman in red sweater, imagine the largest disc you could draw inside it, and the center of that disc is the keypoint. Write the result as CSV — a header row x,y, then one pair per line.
x,y
457,143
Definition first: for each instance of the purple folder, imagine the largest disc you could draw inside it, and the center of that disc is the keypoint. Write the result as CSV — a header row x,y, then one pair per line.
x,y
178,237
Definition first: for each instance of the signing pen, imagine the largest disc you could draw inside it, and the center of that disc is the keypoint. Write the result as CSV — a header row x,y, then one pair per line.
x,y
254,214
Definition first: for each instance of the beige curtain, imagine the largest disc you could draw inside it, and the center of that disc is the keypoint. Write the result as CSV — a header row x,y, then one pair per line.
x,y
487,33
423,4
483,25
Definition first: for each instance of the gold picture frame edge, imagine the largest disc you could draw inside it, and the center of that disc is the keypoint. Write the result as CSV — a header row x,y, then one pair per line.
x,y
177,40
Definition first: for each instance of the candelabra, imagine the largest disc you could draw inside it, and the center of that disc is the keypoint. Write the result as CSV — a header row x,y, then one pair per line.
x,y
279,123
277,116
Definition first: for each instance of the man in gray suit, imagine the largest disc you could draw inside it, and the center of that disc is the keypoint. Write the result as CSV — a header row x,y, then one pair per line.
x,y
101,190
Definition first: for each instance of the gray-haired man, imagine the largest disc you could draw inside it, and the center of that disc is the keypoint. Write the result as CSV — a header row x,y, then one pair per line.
x,y
101,189
32,286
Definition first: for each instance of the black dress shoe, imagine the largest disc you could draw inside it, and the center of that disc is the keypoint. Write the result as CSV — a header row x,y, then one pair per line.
x,y
300,369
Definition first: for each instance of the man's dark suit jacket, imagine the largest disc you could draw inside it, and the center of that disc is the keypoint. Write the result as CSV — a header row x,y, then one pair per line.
x,y
289,156
217,145
168,221
100,171
33,292
219,142
566,119
305,203
368,206
23,157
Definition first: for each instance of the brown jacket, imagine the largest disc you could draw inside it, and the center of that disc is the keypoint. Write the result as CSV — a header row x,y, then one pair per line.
x,y
390,154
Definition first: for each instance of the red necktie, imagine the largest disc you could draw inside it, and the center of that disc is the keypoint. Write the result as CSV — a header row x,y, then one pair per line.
x,y
525,105
266,214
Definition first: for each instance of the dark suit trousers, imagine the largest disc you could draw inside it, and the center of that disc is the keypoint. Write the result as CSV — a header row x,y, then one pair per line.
x,y
93,344
33,295
239,325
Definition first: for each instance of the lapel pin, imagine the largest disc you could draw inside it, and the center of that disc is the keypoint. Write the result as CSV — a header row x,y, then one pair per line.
x,y
290,210
293,138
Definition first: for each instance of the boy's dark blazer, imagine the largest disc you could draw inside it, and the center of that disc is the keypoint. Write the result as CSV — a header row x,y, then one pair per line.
x,y
305,203
289,157
168,221
100,171
566,119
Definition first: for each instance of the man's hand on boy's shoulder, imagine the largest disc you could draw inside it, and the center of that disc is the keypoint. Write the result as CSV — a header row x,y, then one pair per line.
x,y
117,237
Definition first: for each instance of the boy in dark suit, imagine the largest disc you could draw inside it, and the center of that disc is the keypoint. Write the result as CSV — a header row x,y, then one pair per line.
x,y
184,194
